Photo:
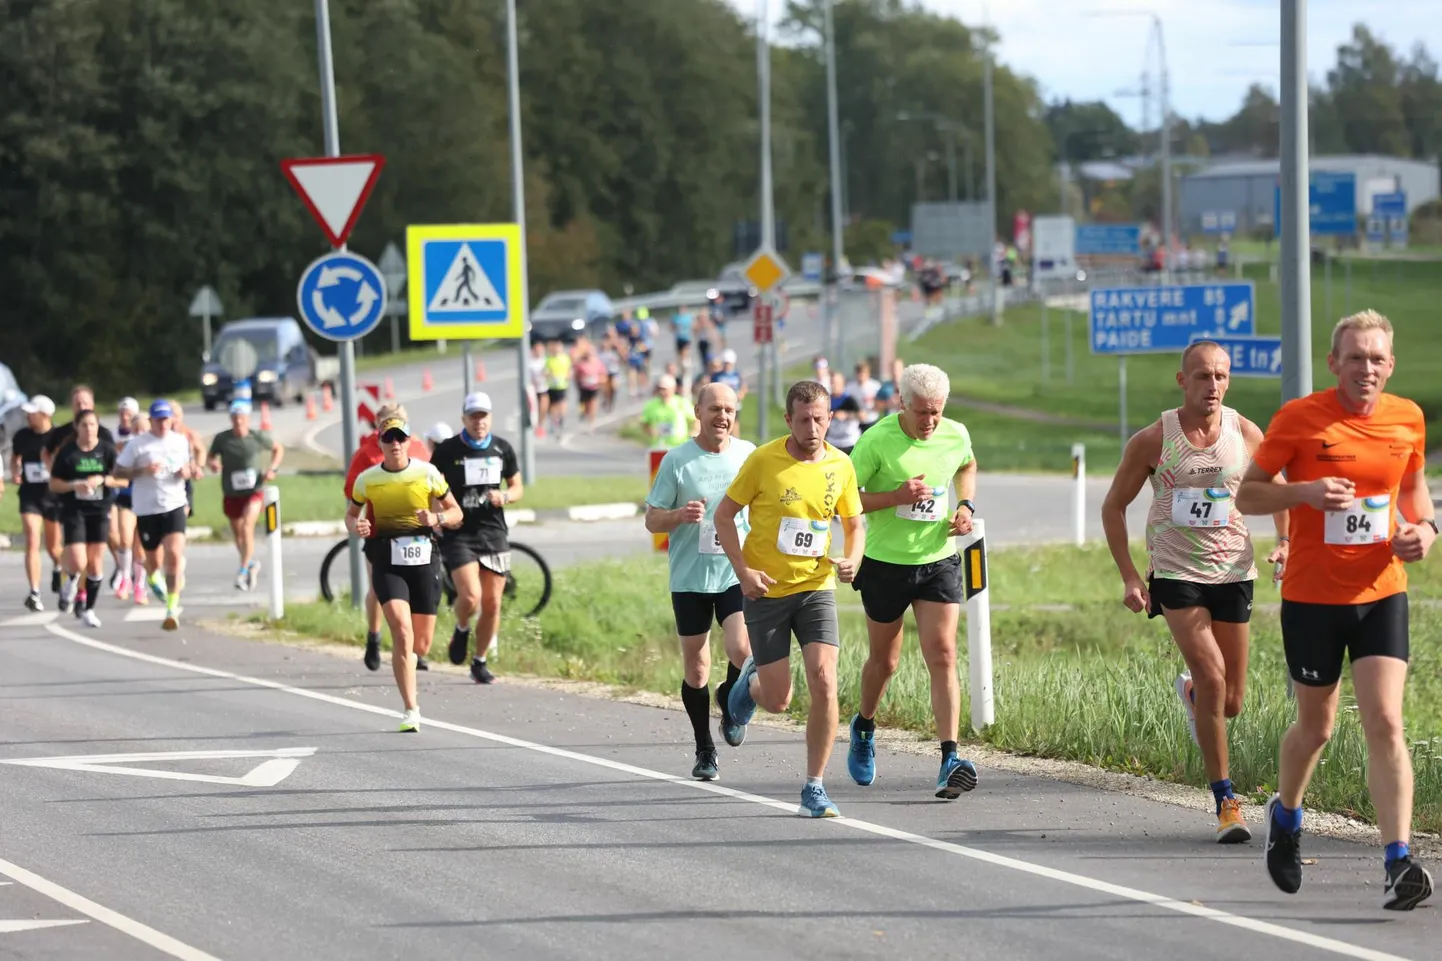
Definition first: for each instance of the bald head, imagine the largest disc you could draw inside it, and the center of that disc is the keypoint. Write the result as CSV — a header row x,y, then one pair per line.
x,y
713,394
1204,351
715,414
1204,378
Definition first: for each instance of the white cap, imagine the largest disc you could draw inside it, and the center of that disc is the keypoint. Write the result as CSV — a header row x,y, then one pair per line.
x,y
476,402
129,404
728,356
439,431
39,404
667,381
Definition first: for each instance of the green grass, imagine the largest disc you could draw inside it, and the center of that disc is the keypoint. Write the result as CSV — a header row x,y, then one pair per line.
x,y
1090,683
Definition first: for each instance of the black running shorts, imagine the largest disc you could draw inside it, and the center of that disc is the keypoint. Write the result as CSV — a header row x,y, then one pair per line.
x,y
1228,603
419,585
44,503
154,528
694,611
79,528
1315,636
887,589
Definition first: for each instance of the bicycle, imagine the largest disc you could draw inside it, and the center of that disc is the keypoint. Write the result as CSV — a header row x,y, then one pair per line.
x,y
528,583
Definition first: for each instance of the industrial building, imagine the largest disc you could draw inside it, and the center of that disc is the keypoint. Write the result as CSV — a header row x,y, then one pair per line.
x,y
1246,191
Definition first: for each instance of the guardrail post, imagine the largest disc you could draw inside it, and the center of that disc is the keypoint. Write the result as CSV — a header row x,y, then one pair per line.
x,y
1079,494
978,625
271,501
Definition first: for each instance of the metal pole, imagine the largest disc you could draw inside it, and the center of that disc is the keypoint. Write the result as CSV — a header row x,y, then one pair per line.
x,y
467,369
951,163
1327,284
207,336
1070,363
990,120
395,333
1167,221
768,210
1296,277
1347,302
838,222
1079,494
1122,396
518,211
331,126
1045,340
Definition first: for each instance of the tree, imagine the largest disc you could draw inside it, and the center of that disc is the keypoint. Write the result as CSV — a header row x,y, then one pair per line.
x,y
1365,91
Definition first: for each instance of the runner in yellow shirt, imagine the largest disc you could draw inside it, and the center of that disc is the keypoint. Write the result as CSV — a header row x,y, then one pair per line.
x,y
558,383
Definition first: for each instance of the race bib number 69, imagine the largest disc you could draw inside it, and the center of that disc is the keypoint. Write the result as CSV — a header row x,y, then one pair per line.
x,y
800,537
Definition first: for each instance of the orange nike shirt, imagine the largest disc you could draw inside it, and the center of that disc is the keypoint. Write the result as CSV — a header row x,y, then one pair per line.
x,y
1314,437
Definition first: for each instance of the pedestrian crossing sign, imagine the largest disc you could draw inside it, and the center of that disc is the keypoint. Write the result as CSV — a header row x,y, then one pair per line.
x,y
466,281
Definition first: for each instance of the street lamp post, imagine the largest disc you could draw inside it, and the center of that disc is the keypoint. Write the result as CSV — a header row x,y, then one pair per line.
x,y
833,128
518,210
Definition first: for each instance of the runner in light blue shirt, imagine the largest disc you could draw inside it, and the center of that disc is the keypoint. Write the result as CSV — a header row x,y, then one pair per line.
x,y
690,482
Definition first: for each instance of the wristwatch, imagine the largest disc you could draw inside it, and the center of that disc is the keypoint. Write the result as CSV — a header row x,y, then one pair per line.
x,y
968,505
1430,522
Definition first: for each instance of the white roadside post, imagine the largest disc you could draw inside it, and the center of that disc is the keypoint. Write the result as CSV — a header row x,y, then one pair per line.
x,y
1079,494
271,501
978,625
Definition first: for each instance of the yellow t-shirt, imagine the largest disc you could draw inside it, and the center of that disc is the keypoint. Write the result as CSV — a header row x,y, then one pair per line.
x,y
792,503
558,371
395,496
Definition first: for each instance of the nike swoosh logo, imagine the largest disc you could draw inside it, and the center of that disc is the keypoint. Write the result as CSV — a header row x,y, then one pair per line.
x,y
1326,446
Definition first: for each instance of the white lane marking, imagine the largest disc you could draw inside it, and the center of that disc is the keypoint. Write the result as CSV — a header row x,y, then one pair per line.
x,y
1332,945
147,614
10,927
281,762
33,619
98,912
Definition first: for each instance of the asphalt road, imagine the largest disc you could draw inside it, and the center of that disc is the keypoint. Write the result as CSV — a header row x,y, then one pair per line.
x,y
528,823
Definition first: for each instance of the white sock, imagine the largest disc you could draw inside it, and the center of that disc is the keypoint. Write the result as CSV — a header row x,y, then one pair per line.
x,y
123,562
813,780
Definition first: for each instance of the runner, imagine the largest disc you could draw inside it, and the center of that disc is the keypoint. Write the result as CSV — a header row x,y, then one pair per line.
x,y
865,388
731,377
367,455
903,466
558,383
1353,457
483,472
395,506
536,368
689,485
611,350
845,427
245,459
159,463
122,517
591,376
197,457
80,476
39,508
1200,573
130,528
438,432
794,487
81,398
668,419
641,334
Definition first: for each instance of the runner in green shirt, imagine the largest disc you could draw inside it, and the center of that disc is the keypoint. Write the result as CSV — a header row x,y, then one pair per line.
x,y
246,460
904,465
667,418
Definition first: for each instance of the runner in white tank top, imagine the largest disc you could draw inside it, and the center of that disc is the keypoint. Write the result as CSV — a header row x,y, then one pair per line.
x,y
1200,570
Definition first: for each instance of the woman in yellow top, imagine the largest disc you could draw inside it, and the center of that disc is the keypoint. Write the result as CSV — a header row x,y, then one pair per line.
x,y
558,383
408,500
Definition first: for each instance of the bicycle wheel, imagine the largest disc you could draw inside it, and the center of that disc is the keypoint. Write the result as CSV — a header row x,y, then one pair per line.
x,y
325,568
528,585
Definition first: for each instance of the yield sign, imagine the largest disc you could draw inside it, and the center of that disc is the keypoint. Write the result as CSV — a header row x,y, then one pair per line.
x,y
270,772
334,189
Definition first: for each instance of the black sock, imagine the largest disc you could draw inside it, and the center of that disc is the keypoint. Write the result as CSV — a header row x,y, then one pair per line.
x,y
865,724
462,631
479,660
948,747
698,708
732,673
92,592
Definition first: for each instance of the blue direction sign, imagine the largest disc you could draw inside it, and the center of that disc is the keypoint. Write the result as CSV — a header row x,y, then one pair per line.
x,y
1108,240
812,265
341,296
1252,356
1157,320
1333,201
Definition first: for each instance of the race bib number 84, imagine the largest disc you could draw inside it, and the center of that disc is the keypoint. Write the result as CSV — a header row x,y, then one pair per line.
x,y
1367,521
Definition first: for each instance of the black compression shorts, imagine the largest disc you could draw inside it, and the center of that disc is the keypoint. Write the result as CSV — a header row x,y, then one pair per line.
x,y
1316,636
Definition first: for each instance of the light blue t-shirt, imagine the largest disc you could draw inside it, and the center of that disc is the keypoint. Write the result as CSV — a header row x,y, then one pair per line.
x,y
688,473
683,322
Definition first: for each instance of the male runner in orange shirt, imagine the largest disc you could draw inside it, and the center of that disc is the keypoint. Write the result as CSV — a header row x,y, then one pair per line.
x,y
1354,456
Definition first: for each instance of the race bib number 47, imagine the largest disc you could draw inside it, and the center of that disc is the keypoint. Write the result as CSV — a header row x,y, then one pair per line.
x,y
1201,506
800,537
1367,521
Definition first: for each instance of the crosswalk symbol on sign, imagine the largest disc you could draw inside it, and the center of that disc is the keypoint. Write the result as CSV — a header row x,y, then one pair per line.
x,y
465,281
465,287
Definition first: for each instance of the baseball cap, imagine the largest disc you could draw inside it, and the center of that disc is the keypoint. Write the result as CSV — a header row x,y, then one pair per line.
x,y
476,402
667,381
728,356
240,407
393,423
128,404
161,408
439,431
39,404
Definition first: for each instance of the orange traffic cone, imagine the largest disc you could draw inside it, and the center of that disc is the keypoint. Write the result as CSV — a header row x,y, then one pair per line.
x,y
310,406
265,415
480,370
426,382
327,400
390,390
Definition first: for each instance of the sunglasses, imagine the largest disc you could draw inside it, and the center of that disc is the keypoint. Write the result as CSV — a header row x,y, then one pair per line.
x,y
395,436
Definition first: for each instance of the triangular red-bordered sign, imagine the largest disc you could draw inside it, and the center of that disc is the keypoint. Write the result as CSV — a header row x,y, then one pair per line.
x,y
334,189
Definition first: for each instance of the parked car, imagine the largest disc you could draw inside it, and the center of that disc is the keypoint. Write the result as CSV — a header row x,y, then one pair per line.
x,y
734,292
567,314
12,418
270,353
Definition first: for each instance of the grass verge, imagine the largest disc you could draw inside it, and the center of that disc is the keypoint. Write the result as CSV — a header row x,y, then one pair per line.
x,y
1077,676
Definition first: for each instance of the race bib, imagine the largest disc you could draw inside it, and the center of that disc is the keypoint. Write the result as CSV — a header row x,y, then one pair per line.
x,y
483,471
410,551
85,494
35,473
243,480
1201,506
928,509
1367,521
710,541
800,537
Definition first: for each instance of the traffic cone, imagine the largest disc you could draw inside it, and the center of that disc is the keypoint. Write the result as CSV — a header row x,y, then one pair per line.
x,y
310,406
390,390
480,370
265,415
426,382
327,399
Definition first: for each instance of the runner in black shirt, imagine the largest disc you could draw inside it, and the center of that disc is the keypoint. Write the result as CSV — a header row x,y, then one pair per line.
x,y
81,475
481,469
81,398
39,509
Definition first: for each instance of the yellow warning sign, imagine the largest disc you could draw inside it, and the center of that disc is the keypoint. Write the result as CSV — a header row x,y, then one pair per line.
x,y
766,270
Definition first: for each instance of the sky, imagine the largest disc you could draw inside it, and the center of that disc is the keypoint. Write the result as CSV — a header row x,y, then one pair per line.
x,y
1215,48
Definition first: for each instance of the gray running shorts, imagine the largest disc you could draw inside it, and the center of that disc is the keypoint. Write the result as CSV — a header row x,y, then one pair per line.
x,y
771,621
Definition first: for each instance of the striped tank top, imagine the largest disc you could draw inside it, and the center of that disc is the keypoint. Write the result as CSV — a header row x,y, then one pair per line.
x,y
1194,530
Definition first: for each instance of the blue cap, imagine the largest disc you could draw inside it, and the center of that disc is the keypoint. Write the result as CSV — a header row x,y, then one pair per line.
x,y
161,408
240,407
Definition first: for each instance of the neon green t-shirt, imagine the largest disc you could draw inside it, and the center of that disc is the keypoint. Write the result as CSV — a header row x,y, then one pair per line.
x,y
672,420
886,458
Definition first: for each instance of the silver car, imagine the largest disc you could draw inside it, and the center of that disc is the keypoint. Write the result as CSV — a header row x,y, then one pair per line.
x,y
12,418
567,314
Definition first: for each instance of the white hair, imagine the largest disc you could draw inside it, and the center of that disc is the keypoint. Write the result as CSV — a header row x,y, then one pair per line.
x,y
926,382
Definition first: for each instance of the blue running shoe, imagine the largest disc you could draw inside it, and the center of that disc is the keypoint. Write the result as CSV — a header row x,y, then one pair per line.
x,y
957,775
157,587
734,734
740,703
861,759
815,803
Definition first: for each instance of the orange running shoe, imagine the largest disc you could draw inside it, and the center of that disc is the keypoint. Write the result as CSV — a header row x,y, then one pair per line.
x,y
1231,826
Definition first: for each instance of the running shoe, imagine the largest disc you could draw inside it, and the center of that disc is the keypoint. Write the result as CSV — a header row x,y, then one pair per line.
x,y
459,647
957,776
815,803
740,702
705,767
122,589
1408,885
242,580
480,673
1284,851
157,586
411,721
373,652
116,577
80,598
172,618
733,733
55,581
90,619
1183,685
252,575
1231,826
33,602
140,596
67,596
422,664
861,758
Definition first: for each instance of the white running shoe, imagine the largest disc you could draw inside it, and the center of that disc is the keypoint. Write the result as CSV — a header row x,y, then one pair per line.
x,y
1183,685
242,581
89,619
411,721
253,575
